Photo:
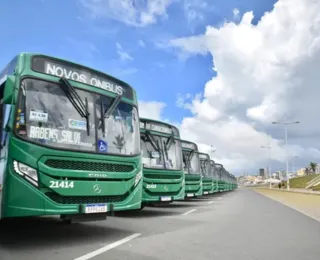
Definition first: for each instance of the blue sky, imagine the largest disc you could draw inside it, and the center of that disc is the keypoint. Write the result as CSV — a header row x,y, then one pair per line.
x,y
133,53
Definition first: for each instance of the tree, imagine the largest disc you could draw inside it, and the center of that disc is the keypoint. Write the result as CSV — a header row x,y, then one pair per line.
x,y
307,171
313,167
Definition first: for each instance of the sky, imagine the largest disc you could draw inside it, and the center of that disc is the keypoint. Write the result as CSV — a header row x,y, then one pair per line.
x,y
221,71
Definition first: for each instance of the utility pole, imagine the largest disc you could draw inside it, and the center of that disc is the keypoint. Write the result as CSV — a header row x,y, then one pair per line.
x,y
285,124
212,150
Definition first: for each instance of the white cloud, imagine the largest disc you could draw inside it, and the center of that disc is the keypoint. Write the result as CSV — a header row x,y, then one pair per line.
x,y
151,109
123,55
138,13
264,72
236,13
193,10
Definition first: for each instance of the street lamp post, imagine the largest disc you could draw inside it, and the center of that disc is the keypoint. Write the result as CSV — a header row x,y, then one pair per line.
x,y
286,146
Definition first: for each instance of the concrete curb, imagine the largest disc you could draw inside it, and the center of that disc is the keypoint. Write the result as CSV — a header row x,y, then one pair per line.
x,y
292,191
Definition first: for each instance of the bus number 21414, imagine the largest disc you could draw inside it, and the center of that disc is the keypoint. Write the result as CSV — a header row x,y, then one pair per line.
x,y
61,184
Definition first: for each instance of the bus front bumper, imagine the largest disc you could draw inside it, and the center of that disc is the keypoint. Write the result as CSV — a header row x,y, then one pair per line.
x,y
22,199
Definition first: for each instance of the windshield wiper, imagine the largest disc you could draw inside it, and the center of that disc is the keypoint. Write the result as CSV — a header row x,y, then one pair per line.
x,y
103,126
169,142
75,100
187,161
106,113
153,142
112,107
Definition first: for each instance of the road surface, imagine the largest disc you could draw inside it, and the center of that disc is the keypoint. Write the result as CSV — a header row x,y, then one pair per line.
x,y
240,225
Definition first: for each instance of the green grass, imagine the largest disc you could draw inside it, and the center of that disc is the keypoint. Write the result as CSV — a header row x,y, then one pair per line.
x,y
301,182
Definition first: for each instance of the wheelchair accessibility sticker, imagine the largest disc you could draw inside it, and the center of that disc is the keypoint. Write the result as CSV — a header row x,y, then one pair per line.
x,y
102,146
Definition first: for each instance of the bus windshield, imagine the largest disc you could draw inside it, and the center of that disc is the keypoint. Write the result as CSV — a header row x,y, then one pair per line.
x,y
205,168
161,152
46,116
213,169
191,162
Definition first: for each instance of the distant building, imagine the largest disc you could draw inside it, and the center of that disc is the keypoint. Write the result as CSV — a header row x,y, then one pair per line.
x,y
262,173
301,172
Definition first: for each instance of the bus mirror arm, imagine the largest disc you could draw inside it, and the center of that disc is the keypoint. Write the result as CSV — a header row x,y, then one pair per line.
x,y
8,90
7,128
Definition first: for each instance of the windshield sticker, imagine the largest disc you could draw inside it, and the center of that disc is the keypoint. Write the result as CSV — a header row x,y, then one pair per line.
x,y
102,146
39,116
77,124
149,162
57,136
21,119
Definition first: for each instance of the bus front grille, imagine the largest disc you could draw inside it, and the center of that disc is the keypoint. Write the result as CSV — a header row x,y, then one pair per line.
x,y
85,199
162,177
88,166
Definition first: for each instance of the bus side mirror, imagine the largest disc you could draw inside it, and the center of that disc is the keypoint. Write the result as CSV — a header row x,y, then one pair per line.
x,y
8,90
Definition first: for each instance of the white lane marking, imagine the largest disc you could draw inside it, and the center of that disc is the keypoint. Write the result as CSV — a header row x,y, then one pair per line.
x,y
219,198
107,247
188,212
210,202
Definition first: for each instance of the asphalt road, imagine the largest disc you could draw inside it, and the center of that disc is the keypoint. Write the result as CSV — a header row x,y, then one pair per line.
x,y
240,225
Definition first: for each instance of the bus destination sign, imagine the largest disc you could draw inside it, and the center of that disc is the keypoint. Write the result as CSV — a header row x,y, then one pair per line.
x,y
80,74
188,145
158,128
203,156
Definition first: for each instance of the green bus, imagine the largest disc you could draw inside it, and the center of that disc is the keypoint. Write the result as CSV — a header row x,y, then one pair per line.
x,y
235,182
220,172
206,173
70,141
163,177
232,179
191,162
215,177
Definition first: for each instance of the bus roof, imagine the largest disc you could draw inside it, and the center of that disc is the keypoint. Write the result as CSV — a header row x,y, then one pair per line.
x,y
153,122
73,63
187,145
204,155
53,66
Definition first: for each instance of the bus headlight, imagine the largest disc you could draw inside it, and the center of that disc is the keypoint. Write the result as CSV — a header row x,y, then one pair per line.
x,y
27,172
138,178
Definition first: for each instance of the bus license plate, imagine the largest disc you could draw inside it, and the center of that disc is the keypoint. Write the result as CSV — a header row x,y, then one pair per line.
x,y
96,208
205,193
165,198
190,195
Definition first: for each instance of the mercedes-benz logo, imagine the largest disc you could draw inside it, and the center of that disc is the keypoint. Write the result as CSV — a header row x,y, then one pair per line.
x,y
97,189
165,187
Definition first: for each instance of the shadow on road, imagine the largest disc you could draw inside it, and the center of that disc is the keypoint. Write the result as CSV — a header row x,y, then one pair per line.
x,y
22,233
179,204
144,213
